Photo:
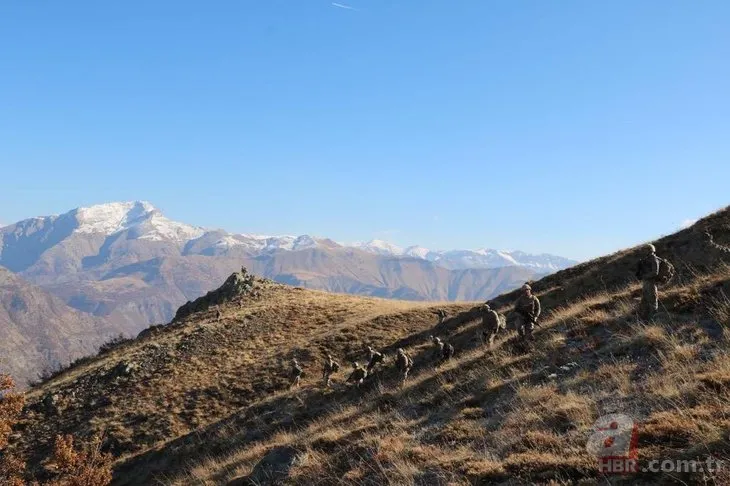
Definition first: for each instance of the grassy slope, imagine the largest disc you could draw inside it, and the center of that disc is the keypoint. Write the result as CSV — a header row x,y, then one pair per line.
x,y
493,416
198,371
210,398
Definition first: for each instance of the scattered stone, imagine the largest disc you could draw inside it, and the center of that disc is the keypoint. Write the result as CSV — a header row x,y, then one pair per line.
x,y
123,369
272,469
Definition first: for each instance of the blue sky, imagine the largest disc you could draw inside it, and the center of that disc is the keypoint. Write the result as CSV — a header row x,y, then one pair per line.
x,y
569,127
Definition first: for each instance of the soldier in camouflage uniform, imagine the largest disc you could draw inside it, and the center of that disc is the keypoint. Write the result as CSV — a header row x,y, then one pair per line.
x,y
527,311
442,351
441,315
648,272
218,313
330,367
490,324
296,373
404,363
358,374
374,359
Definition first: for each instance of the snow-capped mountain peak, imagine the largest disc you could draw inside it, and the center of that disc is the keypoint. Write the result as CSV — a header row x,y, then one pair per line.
x,y
112,217
418,252
143,218
379,247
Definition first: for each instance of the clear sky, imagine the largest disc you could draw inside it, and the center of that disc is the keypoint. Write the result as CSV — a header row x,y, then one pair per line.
x,y
570,127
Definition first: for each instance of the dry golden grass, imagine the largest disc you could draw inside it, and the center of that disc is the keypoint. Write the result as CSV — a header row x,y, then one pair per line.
x,y
491,415
213,399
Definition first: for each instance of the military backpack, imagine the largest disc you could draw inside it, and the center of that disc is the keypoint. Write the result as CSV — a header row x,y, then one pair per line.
x,y
666,271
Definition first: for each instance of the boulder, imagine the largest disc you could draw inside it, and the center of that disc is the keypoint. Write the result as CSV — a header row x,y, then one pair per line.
x,y
123,369
273,468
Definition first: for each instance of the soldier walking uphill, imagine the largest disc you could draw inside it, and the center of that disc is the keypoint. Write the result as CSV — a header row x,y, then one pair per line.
x,y
404,364
296,374
375,358
491,324
442,351
330,367
527,309
652,271
441,315
358,374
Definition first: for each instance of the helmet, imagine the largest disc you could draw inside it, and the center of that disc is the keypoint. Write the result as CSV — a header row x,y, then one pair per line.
x,y
651,248
526,287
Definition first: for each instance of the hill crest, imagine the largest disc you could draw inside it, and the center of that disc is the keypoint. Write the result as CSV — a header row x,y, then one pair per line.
x,y
490,416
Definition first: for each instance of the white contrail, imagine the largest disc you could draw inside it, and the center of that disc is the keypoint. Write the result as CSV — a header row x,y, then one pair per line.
x,y
340,5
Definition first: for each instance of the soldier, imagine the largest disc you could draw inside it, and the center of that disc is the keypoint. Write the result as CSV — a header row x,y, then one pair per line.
x,y
330,367
441,314
443,351
648,272
218,313
490,324
375,358
358,374
404,363
296,373
527,309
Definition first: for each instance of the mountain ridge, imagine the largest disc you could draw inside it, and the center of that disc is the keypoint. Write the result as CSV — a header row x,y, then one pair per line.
x,y
177,409
148,222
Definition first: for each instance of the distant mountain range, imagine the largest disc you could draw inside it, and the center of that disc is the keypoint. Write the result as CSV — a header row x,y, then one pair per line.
x,y
461,259
131,266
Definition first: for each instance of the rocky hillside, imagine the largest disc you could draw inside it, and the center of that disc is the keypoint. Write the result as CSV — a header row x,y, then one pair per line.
x,y
39,332
205,401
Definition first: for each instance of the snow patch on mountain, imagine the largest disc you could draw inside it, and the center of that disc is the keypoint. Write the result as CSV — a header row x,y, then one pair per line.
x,y
140,216
379,247
228,241
418,252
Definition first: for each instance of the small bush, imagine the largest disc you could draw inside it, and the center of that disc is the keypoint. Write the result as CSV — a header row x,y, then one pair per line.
x,y
84,466
11,405
112,343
